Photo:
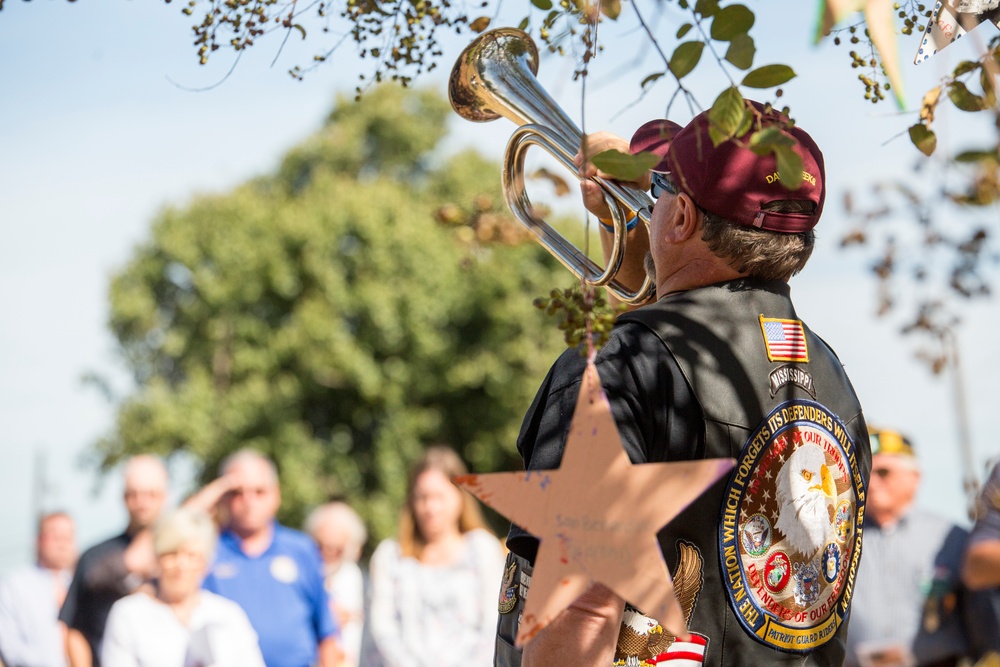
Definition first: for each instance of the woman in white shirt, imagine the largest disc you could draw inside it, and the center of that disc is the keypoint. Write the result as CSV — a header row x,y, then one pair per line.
x,y
176,624
434,590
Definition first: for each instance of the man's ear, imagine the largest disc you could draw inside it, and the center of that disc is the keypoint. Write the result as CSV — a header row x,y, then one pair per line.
x,y
684,221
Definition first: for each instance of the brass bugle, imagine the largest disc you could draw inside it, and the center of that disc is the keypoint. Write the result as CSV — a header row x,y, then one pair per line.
x,y
495,76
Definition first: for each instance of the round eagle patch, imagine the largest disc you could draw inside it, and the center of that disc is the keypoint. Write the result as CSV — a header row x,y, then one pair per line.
x,y
789,539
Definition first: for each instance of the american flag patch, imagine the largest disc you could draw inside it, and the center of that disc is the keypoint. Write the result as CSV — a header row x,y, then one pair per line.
x,y
785,339
690,653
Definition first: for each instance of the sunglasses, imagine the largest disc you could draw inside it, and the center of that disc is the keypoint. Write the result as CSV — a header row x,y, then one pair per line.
x,y
660,183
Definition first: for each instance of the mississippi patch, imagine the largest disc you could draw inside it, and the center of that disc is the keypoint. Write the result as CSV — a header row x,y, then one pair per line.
x,y
785,340
790,534
790,374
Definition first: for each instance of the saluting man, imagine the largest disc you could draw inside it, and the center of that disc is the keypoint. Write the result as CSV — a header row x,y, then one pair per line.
x,y
274,573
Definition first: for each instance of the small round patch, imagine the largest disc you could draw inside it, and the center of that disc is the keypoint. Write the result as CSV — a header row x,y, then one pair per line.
x,y
777,571
844,521
831,562
508,590
756,535
284,569
807,586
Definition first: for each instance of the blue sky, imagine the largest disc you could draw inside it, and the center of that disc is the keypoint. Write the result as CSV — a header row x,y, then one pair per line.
x,y
95,139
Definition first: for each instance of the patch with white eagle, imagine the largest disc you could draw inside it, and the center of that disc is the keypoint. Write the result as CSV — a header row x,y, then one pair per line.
x,y
790,531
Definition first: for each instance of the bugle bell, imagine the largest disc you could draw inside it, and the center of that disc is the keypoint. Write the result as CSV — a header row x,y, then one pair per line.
x,y
495,76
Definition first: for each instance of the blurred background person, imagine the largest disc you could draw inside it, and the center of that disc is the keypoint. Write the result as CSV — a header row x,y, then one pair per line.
x,y
116,567
340,535
273,572
30,598
434,590
175,623
981,564
908,601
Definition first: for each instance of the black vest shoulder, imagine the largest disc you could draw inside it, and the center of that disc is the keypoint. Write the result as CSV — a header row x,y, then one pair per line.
x,y
759,584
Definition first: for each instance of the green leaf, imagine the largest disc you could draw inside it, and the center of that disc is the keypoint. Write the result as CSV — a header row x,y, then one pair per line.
x,y
963,98
731,22
685,58
300,29
741,51
650,79
706,7
523,25
989,90
789,167
683,30
544,5
978,156
611,8
923,138
768,139
727,116
965,67
768,76
625,166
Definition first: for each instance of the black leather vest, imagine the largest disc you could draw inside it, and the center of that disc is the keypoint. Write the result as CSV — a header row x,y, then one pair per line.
x,y
758,585
752,579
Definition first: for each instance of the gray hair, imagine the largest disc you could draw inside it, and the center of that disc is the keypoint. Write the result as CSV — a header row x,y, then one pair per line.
x,y
241,456
340,513
759,253
185,526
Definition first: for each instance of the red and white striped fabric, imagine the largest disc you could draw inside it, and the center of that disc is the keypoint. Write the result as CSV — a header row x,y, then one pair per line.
x,y
785,339
690,653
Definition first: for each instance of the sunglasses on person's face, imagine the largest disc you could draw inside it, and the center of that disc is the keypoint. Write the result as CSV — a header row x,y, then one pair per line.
x,y
659,183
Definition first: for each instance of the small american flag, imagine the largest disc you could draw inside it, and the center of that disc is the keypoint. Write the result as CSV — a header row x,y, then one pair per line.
x,y
785,339
690,653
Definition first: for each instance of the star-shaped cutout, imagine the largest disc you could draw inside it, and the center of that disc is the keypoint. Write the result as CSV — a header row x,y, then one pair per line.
x,y
596,517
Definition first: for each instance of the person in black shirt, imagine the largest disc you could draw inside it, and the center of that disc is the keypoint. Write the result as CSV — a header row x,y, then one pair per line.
x,y
116,567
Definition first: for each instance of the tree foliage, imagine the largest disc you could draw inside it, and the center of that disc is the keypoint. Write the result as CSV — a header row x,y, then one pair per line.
x,y
335,316
399,40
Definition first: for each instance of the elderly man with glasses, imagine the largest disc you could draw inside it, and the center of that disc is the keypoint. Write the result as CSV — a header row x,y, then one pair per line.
x,y
720,365
910,608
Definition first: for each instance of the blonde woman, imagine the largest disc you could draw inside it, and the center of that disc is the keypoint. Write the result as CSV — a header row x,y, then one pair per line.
x,y
434,589
176,624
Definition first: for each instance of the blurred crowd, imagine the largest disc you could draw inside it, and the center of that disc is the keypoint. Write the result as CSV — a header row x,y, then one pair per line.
x,y
219,582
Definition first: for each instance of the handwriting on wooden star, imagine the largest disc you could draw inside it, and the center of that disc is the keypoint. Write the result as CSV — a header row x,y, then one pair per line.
x,y
596,517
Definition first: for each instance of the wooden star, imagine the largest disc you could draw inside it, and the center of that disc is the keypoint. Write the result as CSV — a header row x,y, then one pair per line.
x,y
596,517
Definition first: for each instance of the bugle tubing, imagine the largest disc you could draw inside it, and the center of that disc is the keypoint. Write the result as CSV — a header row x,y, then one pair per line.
x,y
495,76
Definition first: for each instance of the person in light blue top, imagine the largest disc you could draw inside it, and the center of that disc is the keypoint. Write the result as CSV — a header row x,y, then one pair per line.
x,y
274,573
30,598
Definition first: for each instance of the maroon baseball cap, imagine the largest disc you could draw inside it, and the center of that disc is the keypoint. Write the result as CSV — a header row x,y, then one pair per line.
x,y
730,180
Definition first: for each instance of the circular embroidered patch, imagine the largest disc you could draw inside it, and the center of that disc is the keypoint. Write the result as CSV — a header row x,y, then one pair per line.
x,y
777,571
789,542
284,569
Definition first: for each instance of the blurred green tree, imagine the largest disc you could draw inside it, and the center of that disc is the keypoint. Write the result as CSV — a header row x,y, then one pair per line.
x,y
336,316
